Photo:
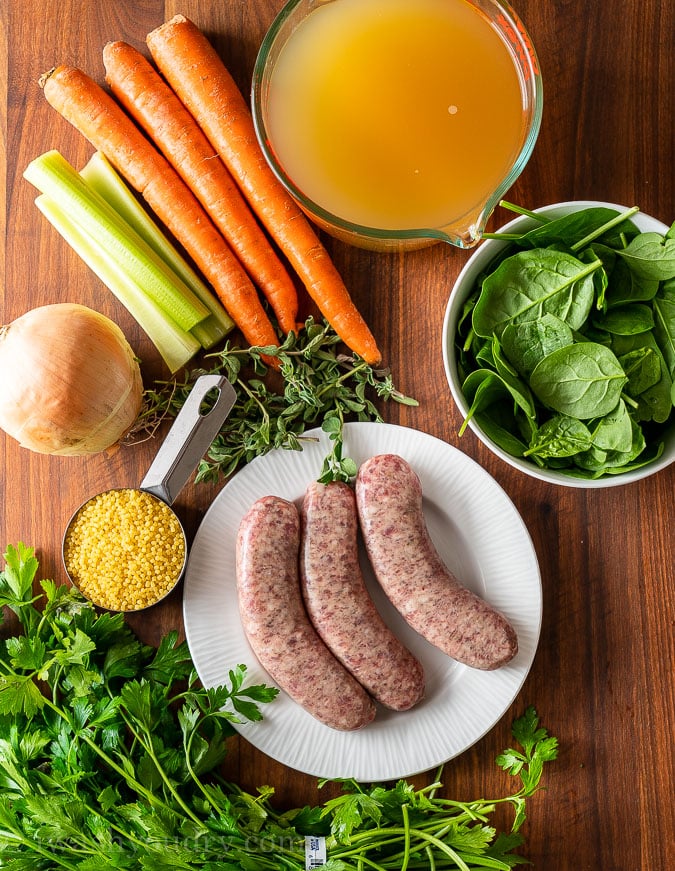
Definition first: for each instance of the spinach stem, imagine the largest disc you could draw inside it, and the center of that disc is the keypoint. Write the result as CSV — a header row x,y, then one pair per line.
x,y
613,222
522,211
504,237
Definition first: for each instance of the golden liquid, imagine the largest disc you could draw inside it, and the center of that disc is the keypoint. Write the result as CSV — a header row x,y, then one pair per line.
x,y
396,114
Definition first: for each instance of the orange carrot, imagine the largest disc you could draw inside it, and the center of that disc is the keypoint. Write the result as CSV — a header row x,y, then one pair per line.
x,y
151,102
200,79
103,122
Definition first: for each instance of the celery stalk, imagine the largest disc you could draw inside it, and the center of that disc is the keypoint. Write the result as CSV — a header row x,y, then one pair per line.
x,y
54,176
175,345
100,174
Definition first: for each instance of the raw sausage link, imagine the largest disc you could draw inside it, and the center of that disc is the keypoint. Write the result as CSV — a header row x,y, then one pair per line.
x,y
339,604
412,574
276,623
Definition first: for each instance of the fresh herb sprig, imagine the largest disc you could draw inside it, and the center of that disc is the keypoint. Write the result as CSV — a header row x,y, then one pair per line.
x,y
316,385
110,754
400,827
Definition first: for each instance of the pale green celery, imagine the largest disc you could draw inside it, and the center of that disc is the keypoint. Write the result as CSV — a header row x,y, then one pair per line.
x,y
175,345
209,332
100,174
54,176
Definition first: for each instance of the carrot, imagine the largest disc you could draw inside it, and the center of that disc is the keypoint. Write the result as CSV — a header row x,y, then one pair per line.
x,y
200,79
151,102
97,116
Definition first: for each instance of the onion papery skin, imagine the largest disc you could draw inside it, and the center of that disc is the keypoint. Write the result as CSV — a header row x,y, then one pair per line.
x,y
70,383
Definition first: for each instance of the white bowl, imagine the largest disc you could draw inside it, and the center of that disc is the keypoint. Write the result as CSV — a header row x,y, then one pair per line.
x,y
462,289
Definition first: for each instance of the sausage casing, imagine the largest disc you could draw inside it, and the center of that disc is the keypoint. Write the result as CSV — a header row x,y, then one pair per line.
x,y
277,626
340,606
413,575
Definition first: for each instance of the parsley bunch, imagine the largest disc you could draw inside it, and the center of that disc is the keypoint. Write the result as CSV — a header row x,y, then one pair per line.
x,y
110,753
315,385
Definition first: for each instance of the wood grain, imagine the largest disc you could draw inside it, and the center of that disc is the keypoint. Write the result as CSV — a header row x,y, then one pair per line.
x,y
602,680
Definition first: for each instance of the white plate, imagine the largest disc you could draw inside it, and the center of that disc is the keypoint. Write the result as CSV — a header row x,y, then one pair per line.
x,y
482,539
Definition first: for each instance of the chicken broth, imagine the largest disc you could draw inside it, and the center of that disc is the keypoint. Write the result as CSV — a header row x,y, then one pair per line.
x,y
396,114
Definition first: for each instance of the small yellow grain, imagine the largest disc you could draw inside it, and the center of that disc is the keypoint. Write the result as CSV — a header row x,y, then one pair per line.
x,y
124,549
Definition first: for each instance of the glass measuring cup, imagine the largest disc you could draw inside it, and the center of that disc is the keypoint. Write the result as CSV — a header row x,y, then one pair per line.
x,y
101,552
317,162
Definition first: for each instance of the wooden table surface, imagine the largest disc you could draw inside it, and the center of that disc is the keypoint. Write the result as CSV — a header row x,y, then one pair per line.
x,y
602,680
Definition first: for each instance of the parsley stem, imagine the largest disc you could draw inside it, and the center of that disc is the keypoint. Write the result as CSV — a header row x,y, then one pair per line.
x,y
432,788
473,811
364,860
149,749
35,847
406,848
187,745
416,832
116,828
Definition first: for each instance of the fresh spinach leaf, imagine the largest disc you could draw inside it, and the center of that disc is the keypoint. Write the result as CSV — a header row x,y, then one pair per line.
x,y
583,380
484,387
656,402
532,283
560,436
569,229
526,343
629,320
625,286
485,354
600,276
643,370
664,326
598,459
614,431
501,425
650,256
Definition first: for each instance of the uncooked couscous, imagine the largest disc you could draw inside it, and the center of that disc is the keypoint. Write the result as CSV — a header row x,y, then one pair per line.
x,y
124,549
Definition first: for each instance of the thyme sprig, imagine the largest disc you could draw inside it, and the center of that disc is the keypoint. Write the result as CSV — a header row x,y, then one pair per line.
x,y
315,385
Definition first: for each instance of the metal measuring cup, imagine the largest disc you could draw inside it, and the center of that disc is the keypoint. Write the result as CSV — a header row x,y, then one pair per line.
x,y
184,445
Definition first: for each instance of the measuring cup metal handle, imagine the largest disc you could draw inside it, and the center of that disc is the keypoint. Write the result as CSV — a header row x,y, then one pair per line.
x,y
189,438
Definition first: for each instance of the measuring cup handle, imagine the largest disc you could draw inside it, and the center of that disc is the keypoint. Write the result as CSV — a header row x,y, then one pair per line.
x,y
189,437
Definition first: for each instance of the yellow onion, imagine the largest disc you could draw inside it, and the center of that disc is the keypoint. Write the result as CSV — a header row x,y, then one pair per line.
x,y
70,384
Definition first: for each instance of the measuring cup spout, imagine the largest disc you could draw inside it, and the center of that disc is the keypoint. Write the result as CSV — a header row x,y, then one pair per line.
x,y
189,437
462,237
